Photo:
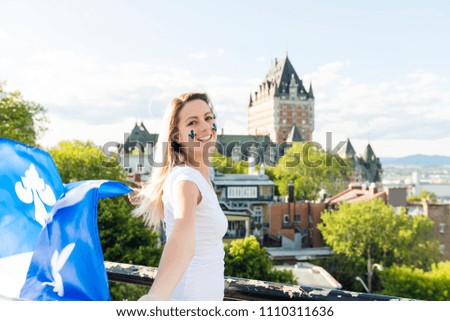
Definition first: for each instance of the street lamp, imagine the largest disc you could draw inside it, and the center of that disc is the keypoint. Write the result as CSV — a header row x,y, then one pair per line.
x,y
370,269
363,284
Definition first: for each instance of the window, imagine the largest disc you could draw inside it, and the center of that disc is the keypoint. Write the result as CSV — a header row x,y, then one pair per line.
x,y
236,229
286,219
236,153
442,228
442,248
258,214
242,192
139,168
297,218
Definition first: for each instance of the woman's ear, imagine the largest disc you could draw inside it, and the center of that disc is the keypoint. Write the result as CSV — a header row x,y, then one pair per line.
x,y
175,142
176,137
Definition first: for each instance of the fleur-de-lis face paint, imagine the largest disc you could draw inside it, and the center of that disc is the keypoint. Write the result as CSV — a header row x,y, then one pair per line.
x,y
214,127
192,134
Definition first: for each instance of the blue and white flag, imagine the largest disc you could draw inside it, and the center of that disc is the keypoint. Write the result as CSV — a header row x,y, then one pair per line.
x,y
49,243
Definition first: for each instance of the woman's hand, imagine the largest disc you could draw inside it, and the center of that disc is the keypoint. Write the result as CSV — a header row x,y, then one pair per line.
x,y
134,196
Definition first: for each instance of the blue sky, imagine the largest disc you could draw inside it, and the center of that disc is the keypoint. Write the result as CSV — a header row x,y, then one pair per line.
x,y
380,69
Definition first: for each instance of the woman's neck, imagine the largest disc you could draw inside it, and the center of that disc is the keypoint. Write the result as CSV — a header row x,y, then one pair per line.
x,y
201,166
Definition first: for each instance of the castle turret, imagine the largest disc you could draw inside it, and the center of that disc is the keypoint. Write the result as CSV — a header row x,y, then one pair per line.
x,y
281,101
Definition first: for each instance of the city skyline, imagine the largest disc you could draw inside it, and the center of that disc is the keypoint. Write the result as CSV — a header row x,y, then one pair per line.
x,y
379,70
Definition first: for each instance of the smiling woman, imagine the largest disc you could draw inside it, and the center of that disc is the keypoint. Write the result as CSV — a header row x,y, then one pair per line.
x,y
180,193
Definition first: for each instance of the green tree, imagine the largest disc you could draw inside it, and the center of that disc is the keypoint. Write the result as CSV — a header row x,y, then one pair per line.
x,y
226,165
245,258
372,230
311,169
345,269
21,120
77,160
424,195
418,284
124,238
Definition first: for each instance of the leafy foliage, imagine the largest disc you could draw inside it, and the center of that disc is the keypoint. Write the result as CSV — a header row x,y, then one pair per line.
x,y
344,269
123,237
245,258
77,160
226,165
373,230
310,169
21,120
373,233
413,283
424,195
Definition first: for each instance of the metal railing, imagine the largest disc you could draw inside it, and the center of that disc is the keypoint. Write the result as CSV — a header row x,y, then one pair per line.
x,y
238,289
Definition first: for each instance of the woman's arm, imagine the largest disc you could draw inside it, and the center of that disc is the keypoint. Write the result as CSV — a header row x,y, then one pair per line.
x,y
180,247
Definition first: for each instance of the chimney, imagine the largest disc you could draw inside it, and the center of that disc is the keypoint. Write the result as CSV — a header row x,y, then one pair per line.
x,y
353,186
251,166
372,188
291,192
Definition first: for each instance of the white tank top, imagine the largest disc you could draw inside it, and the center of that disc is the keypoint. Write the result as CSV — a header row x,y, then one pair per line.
x,y
204,276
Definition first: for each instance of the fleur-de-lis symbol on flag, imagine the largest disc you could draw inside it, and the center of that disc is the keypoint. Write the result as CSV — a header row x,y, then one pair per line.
x,y
31,189
57,262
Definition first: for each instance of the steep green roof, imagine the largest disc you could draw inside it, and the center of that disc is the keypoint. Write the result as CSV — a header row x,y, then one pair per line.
x,y
347,151
369,155
280,73
294,135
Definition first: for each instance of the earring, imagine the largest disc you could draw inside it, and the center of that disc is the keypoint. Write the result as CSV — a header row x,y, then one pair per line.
x,y
192,134
214,127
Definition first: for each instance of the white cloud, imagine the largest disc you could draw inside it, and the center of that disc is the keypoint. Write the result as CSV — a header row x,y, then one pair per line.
x,y
4,35
412,107
199,55
220,52
328,74
87,98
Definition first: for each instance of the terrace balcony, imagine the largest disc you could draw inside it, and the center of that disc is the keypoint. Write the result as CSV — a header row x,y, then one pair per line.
x,y
239,289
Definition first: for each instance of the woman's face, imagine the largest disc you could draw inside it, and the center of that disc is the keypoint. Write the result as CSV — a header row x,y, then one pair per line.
x,y
196,119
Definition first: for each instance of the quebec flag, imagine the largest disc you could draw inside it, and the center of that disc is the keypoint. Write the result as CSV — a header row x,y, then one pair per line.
x,y
49,242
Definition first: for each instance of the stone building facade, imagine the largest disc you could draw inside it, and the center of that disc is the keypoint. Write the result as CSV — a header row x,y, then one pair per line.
x,y
281,102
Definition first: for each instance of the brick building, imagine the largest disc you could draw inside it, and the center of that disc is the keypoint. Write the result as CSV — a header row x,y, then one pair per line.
x,y
281,102
295,224
440,215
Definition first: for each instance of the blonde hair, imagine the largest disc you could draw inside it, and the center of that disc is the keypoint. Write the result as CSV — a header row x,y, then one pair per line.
x,y
167,154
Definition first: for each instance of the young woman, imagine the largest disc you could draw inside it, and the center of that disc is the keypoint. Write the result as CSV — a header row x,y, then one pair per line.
x,y
180,193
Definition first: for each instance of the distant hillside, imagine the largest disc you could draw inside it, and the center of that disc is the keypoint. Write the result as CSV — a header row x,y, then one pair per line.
x,y
418,160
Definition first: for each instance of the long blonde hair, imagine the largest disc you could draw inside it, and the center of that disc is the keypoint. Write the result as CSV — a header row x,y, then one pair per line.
x,y
167,154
